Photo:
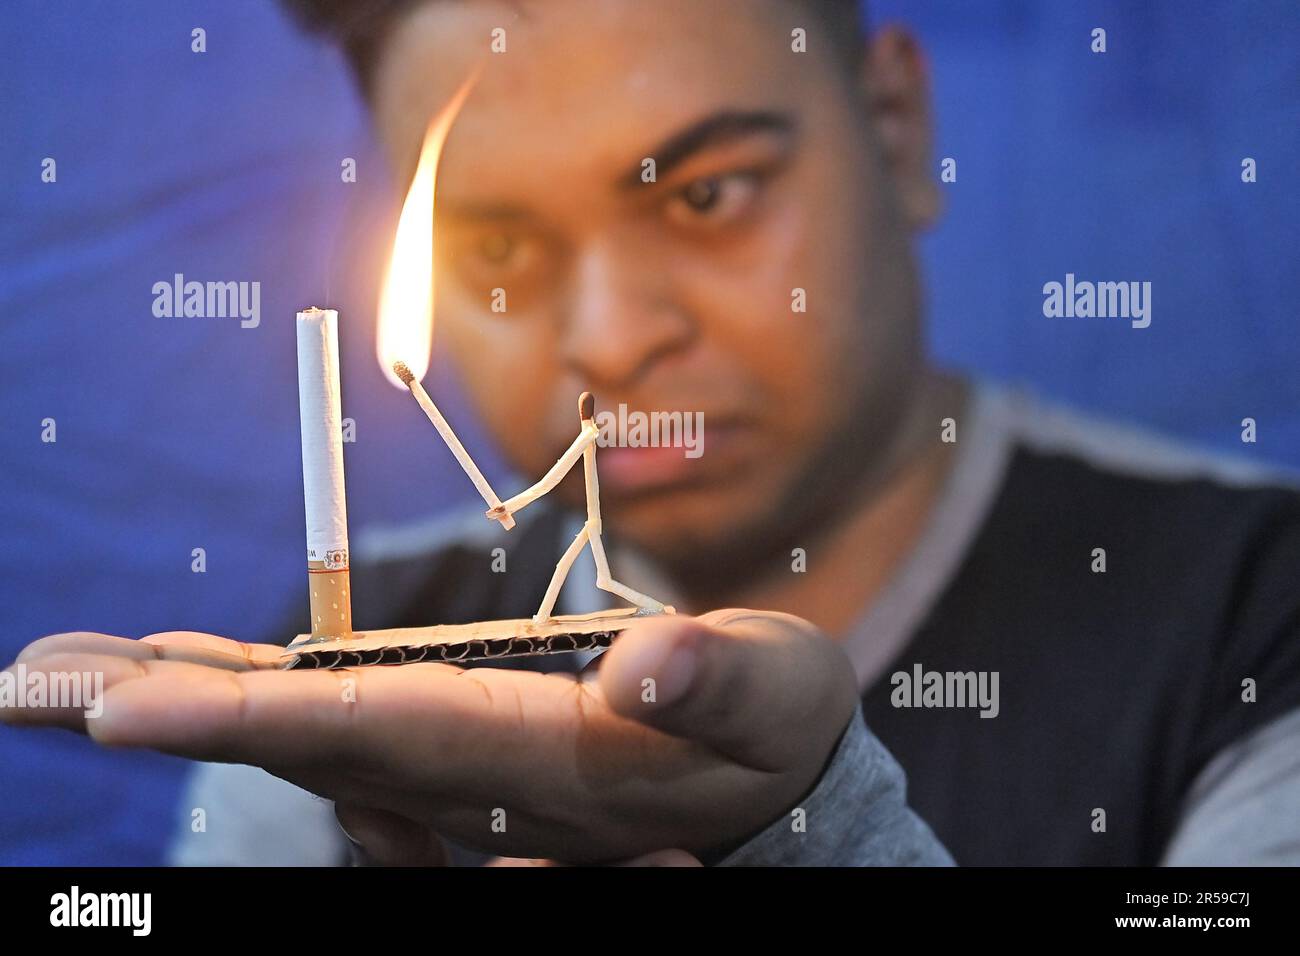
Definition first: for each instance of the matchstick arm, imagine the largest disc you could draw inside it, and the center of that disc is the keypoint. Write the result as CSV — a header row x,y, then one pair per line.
x,y
403,372
586,438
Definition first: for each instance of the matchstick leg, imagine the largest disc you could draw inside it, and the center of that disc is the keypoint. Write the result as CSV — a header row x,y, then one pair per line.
x,y
607,583
557,579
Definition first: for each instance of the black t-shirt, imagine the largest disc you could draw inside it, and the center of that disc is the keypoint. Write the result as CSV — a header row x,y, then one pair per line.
x,y
1114,688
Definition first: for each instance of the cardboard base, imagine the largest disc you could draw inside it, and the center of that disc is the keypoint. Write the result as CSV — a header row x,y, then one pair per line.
x,y
457,643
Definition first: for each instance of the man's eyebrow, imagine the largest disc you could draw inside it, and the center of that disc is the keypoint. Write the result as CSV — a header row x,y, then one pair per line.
x,y
481,211
716,130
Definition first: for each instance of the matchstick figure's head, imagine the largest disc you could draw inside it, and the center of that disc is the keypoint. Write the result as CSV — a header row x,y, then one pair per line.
x,y
586,406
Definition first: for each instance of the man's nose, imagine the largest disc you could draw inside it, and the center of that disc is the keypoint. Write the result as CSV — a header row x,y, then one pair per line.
x,y
622,317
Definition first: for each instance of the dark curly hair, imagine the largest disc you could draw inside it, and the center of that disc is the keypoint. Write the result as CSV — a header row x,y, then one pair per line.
x,y
360,26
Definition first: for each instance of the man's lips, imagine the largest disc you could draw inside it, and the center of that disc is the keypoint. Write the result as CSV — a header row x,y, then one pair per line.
x,y
636,469
628,470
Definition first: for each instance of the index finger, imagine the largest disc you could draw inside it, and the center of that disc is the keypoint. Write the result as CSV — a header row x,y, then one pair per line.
x,y
192,646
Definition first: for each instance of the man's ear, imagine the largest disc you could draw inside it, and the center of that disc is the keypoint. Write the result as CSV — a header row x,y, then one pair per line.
x,y
898,94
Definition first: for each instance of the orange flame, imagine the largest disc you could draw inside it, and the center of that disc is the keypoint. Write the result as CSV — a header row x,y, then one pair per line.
x,y
405,327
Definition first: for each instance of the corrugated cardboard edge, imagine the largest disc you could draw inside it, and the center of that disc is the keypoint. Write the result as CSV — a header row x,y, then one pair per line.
x,y
459,643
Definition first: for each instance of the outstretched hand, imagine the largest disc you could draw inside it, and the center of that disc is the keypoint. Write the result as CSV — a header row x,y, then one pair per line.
x,y
693,732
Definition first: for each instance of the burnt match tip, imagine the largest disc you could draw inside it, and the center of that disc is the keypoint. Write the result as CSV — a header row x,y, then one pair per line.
x,y
402,372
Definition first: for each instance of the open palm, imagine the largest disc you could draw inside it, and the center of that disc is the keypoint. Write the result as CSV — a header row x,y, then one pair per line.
x,y
692,733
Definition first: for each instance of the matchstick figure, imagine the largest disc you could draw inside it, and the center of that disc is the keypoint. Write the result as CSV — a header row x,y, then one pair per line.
x,y
584,446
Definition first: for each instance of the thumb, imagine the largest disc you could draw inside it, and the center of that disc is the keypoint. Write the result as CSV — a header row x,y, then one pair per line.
x,y
760,687
381,838
670,858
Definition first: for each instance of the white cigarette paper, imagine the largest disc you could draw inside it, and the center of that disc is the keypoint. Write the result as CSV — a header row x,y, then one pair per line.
x,y
322,470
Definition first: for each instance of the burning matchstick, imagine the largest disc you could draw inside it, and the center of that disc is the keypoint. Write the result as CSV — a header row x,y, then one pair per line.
x,y
401,370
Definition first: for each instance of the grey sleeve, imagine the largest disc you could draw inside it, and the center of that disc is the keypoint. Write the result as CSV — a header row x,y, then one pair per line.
x,y
856,815
1244,807
251,818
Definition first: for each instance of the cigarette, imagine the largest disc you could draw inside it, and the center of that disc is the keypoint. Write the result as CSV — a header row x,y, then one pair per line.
x,y
322,473
449,436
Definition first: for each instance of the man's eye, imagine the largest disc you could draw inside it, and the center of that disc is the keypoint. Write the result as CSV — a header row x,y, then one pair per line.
x,y
495,257
496,248
714,200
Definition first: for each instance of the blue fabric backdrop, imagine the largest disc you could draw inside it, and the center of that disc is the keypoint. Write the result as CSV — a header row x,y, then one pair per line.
x,y
175,434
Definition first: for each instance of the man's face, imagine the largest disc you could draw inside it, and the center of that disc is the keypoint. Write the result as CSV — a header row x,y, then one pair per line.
x,y
674,295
